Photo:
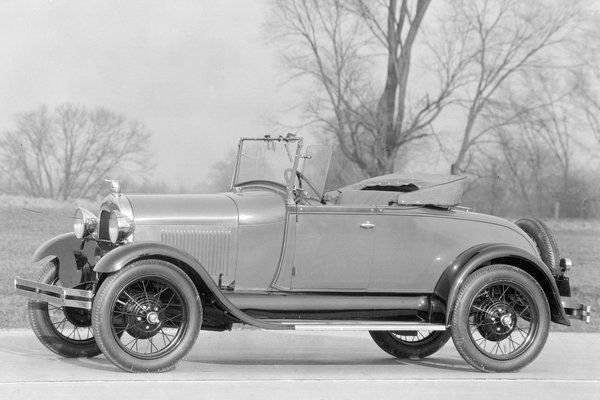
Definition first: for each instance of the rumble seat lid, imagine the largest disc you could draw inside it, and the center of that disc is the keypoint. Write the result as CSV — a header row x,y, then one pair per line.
x,y
402,189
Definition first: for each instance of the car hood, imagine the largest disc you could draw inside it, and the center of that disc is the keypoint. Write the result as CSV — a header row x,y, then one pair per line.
x,y
252,208
191,209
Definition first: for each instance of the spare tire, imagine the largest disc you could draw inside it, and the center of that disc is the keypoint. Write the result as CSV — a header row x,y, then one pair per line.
x,y
544,240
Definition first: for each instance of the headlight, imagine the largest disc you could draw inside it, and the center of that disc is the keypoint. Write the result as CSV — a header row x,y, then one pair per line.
x,y
85,223
119,226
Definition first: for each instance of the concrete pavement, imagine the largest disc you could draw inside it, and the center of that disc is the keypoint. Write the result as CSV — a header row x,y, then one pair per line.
x,y
248,364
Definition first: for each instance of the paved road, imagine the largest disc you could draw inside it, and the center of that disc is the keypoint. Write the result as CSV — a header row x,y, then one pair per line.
x,y
253,364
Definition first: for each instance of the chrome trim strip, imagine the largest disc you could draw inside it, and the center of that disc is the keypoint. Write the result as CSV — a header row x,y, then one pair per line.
x,y
576,310
359,326
67,297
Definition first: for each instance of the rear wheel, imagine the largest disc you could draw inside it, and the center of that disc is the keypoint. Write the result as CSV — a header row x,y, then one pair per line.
x,y
410,344
147,316
500,320
66,331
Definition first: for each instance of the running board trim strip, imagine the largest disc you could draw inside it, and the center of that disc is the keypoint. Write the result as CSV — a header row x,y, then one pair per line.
x,y
359,326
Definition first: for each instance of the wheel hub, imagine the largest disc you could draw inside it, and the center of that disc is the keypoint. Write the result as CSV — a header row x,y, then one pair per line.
x,y
144,317
78,316
496,321
507,320
153,318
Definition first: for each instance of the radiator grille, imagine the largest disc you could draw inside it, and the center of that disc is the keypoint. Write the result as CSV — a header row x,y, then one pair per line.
x,y
213,247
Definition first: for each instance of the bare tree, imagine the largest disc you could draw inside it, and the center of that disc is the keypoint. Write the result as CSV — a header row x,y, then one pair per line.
x,y
336,44
65,153
553,133
500,39
220,174
586,100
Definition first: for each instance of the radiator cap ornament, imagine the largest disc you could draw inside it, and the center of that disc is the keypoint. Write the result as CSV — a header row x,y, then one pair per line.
x,y
115,186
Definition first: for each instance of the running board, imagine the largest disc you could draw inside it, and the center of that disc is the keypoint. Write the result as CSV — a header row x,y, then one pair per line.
x,y
356,325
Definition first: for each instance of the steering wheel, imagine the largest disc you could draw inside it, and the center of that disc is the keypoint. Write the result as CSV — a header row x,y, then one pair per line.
x,y
262,183
302,177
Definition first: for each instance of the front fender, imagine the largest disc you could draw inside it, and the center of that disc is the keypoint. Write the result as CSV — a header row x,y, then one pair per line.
x,y
126,254
72,255
478,256
57,246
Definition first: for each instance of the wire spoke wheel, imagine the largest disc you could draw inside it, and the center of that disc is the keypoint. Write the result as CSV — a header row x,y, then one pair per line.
x,y
501,319
72,324
149,317
410,344
67,331
412,337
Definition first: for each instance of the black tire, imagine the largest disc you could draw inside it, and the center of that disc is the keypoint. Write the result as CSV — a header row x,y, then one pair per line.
x,y
414,345
500,320
66,331
147,316
544,240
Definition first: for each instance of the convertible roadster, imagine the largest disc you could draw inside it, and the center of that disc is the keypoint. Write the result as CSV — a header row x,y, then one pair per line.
x,y
395,256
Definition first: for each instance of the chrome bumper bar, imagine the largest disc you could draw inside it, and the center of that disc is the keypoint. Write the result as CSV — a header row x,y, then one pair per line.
x,y
577,310
55,294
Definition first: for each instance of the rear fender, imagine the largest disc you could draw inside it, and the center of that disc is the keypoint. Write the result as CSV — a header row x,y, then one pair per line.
x,y
485,254
124,255
73,256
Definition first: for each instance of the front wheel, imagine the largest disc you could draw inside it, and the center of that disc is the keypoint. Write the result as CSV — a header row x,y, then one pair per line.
x,y
66,331
147,316
410,344
500,320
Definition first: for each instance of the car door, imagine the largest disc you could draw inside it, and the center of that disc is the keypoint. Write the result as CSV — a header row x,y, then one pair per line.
x,y
333,249
409,250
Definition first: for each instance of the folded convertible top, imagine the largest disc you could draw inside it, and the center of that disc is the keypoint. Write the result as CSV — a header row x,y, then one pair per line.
x,y
402,189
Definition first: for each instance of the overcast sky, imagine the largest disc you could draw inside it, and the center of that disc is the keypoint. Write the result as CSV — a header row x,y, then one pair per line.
x,y
199,74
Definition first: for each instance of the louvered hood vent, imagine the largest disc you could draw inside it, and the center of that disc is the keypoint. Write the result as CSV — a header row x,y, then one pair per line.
x,y
212,246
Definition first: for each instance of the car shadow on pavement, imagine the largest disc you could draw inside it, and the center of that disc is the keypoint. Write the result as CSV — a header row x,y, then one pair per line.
x,y
98,363
440,363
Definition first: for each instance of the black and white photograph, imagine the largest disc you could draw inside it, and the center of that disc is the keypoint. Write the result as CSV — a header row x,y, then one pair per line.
x,y
299,199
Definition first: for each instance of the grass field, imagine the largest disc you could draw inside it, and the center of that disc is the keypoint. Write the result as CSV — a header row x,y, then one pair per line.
x,y
27,223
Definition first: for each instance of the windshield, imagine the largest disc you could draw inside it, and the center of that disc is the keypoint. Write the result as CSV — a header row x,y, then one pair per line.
x,y
265,160
278,159
314,168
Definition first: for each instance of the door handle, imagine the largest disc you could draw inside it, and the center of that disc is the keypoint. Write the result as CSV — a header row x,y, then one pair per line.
x,y
367,225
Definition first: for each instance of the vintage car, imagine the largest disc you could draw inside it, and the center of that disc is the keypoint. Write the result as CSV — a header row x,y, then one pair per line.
x,y
394,255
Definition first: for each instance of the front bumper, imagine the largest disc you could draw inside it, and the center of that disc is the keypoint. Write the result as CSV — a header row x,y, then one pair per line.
x,y
57,295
